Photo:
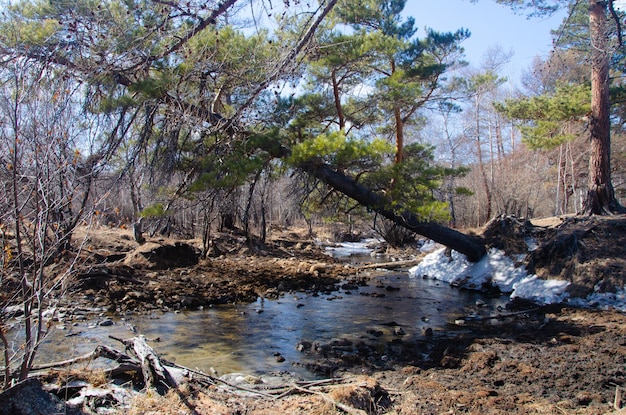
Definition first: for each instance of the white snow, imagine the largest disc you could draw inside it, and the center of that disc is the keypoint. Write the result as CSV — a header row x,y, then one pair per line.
x,y
495,268
499,270
540,291
346,249
429,246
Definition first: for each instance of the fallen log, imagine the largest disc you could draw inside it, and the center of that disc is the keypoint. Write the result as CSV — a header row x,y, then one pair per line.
x,y
391,265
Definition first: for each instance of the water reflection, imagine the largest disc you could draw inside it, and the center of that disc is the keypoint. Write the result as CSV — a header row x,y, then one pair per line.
x,y
247,337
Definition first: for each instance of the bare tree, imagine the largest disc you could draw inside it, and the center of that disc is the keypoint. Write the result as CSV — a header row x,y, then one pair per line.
x,y
46,184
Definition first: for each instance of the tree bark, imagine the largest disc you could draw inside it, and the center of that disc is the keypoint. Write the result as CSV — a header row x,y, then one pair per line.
x,y
600,195
481,164
472,247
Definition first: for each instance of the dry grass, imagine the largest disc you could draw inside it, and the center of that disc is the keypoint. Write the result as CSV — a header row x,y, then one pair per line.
x,y
94,377
151,403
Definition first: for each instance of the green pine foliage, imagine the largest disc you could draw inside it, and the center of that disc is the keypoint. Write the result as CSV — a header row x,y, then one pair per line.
x,y
550,120
156,210
415,183
340,152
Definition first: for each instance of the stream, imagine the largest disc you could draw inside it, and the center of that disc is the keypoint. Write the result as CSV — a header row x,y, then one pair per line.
x,y
248,338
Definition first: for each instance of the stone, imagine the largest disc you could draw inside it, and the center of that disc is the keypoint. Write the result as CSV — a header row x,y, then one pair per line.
x,y
399,331
28,397
303,346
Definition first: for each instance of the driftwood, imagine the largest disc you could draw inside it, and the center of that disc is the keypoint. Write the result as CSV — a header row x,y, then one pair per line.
x,y
155,374
392,265
143,360
99,351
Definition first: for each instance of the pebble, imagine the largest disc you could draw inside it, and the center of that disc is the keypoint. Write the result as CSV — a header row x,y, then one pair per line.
x,y
304,345
399,331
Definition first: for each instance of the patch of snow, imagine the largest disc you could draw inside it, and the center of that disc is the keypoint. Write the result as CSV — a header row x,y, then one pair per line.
x,y
429,246
540,291
347,249
494,269
499,270
616,300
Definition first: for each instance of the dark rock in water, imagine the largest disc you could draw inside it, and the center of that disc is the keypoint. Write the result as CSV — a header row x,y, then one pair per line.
x,y
28,397
375,333
340,342
304,345
189,301
490,289
399,331
428,331
517,304
392,288
280,358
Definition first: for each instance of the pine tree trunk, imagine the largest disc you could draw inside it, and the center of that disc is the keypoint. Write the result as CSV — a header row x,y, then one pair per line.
x,y
601,196
472,247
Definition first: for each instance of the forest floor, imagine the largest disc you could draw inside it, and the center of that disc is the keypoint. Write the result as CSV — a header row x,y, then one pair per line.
x,y
548,360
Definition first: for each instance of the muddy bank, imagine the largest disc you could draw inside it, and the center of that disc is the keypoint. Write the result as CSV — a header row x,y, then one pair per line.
x,y
118,288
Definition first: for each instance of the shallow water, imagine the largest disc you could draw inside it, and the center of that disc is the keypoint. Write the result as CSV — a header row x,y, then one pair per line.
x,y
247,337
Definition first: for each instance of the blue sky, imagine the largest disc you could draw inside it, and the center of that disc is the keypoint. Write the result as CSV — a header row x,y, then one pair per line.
x,y
491,25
